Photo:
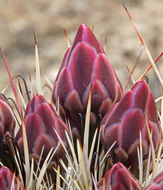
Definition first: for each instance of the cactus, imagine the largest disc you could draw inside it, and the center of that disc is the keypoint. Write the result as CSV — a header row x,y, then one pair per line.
x,y
7,121
92,135
127,121
118,177
8,180
85,66
157,183
42,127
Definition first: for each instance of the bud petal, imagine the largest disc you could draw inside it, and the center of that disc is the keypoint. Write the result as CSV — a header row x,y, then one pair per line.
x,y
118,177
7,121
6,178
157,183
85,66
42,123
124,123
84,34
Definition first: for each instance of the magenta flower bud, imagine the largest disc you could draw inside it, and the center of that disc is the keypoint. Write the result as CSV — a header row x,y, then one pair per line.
x,y
118,178
157,183
126,120
6,178
42,123
7,121
83,66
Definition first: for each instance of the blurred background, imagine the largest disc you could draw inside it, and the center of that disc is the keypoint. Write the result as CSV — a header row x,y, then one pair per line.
x,y
48,19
